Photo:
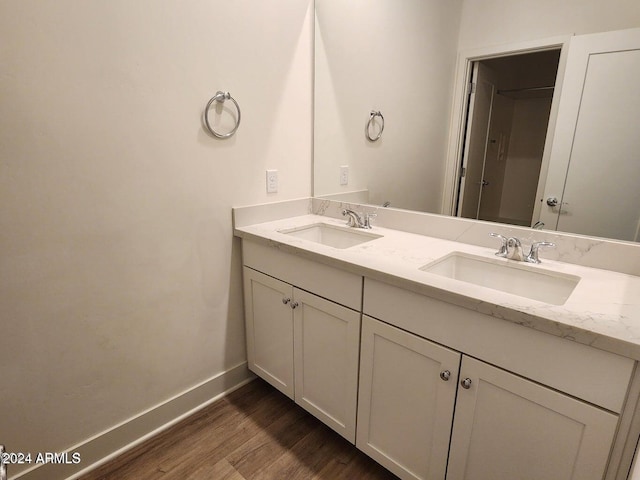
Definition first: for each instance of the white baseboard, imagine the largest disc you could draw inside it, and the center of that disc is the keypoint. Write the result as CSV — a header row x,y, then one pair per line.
x,y
109,444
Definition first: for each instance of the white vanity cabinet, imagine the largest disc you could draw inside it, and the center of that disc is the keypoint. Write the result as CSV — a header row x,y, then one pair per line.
x,y
303,344
527,405
440,392
406,399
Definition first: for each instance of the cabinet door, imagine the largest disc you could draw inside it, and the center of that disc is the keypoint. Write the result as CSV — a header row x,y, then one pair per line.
x,y
405,407
509,427
269,323
326,347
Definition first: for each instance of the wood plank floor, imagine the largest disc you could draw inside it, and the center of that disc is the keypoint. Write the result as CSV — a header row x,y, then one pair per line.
x,y
253,433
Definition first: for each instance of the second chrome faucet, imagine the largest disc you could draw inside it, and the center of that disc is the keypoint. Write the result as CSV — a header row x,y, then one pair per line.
x,y
358,220
511,248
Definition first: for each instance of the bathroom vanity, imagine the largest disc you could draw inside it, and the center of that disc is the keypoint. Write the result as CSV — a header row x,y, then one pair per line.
x,y
436,358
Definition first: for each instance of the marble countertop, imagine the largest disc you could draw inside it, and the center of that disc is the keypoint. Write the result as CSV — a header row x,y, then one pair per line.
x,y
603,310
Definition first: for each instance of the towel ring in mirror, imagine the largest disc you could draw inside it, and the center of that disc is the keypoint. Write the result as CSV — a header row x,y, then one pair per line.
x,y
372,116
221,97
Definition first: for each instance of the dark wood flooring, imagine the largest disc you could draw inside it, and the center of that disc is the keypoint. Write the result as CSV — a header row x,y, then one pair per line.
x,y
253,433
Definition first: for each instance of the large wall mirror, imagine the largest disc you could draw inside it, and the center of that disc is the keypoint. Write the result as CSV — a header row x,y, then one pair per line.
x,y
547,136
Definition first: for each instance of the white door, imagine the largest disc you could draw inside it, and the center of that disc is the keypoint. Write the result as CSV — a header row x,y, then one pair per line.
x,y
596,146
406,400
507,427
269,324
476,141
327,339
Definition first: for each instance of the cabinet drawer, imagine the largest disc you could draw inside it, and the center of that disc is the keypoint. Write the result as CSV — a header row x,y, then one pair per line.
x,y
594,375
337,285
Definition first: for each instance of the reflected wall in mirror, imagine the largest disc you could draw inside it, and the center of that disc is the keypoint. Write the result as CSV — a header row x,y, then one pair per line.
x,y
396,57
399,57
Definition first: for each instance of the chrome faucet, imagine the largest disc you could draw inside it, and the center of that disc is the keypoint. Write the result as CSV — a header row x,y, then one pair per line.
x,y
358,220
514,249
511,248
538,225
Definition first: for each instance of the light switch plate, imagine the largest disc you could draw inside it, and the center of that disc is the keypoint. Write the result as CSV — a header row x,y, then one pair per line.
x,y
344,174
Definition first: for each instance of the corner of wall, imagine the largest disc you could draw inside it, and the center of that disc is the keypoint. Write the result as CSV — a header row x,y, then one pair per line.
x,y
107,445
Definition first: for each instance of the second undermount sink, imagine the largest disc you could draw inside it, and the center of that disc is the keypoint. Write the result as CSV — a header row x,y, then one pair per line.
x,y
332,235
506,276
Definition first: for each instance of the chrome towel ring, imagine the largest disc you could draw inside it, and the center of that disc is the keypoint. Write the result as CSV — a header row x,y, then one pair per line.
x,y
221,97
367,129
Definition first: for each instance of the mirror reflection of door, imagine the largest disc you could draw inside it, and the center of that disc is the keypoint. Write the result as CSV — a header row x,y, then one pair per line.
x,y
505,136
596,147
472,183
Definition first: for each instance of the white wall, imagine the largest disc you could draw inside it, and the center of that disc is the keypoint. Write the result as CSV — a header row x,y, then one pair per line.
x,y
497,22
119,277
398,58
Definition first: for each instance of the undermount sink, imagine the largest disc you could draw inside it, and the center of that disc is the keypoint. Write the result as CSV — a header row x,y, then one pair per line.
x,y
331,235
506,276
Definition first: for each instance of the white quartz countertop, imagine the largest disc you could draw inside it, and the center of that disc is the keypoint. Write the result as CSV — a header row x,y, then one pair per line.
x,y
603,310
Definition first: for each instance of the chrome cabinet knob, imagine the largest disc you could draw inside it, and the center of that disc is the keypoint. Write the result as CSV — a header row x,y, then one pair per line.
x,y
445,375
286,300
294,304
552,201
466,383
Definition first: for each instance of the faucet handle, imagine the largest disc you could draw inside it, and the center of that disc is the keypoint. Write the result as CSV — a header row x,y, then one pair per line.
x,y
502,252
532,257
367,219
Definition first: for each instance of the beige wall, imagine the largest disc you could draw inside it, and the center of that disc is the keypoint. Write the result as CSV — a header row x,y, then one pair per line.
x,y
119,276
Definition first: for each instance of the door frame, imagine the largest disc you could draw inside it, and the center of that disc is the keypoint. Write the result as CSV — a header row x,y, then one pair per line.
x,y
472,105
459,109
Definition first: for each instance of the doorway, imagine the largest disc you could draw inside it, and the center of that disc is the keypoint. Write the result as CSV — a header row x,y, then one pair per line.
x,y
509,104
